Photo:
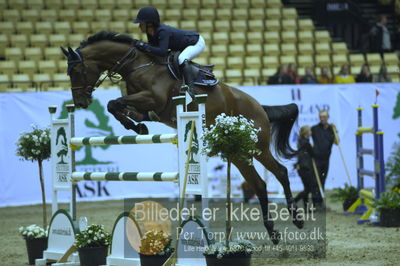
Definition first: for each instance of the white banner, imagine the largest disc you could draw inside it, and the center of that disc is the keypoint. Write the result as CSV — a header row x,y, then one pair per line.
x,y
19,180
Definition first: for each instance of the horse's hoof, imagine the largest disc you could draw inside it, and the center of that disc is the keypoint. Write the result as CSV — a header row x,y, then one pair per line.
x,y
275,237
143,130
298,223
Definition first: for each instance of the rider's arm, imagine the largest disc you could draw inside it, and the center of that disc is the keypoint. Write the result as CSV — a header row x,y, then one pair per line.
x,y
163,43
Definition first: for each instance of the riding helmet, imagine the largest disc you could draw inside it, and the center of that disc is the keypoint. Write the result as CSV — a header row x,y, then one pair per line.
x,y
148,14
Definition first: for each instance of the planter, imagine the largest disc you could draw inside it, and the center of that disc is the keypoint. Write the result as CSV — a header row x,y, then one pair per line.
x,y
35,248
348,202
390,217
93,256
153,260
231,260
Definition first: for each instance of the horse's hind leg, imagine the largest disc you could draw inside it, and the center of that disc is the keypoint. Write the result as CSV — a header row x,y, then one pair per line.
x,y
258,185
281,174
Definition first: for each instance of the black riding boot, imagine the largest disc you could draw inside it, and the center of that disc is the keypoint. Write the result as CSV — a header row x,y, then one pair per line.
x,y
188,79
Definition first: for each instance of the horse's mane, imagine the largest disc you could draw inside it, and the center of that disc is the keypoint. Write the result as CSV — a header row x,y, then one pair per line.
x,y
107,36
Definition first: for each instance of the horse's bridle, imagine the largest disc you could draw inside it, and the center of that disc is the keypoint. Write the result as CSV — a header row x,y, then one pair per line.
x,y
129,57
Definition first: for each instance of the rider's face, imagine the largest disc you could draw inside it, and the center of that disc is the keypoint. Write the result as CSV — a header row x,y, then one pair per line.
x,y
142,27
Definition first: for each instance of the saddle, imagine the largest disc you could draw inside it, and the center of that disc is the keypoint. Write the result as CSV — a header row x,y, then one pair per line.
x,y
203,75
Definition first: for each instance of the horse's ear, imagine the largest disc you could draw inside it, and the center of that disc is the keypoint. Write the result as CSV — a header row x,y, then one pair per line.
x,y
73,53
64,51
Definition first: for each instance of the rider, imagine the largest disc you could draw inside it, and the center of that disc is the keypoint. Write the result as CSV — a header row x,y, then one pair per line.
x,y
161,38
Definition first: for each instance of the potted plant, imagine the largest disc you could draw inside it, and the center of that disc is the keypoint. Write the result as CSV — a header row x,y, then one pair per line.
x,y
393,169
36,241
155,248
237,253
347,195
92,244
222,139
35,146
388,206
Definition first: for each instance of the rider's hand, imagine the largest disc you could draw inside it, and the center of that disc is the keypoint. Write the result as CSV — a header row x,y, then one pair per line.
x,y
141,45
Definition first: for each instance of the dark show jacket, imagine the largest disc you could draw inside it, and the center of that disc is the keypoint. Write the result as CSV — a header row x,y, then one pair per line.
x,y
305,153
167,37
323,139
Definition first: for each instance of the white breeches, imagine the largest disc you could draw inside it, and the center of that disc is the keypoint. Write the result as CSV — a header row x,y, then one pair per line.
x,y
192,51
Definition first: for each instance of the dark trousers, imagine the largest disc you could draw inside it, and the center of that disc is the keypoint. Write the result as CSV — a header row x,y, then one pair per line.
x,y
310,186
323,167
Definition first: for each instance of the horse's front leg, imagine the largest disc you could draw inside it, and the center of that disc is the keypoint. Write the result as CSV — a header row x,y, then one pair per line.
x,y
126,117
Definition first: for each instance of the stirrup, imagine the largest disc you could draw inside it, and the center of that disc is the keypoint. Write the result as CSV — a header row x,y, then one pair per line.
x,y
183,89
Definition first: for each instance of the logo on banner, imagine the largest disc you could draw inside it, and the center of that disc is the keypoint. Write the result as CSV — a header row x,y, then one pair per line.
x,y
97,123
194,165
62,166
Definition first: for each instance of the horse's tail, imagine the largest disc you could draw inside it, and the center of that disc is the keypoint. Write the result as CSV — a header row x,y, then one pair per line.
x,y
282,118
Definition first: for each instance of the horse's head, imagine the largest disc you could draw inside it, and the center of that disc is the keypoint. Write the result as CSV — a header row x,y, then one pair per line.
x,y
83,75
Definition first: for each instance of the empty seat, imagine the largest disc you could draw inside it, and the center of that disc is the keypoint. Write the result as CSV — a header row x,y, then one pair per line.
x,y
207,14
125,4
270,3
44,27
38,40
47,66
256,25
222,25
57,40
272,25
356,59
322,60
233,76
81,27
323,48
258,3
53,4
256,13
205,26
272,37
220,37
391,58
306,48
237,49
255,37
238,37
190,14
67,15
62,66
8,67
225,4
305,60
4,42
254,49
33,53
49,15
11,15
219,62
21,81
322,36
85,14
118,26
19,40
53,53
273,13
266,73
106,4
306,36
339,59
24,27
287,59
208,3
339,47
7,28
253,62
219,50
192,4
30,15
239,25
63,27
5,82
35,4
374,59
42,81
289,13
271,49
97,26
103,15
289,24
121,15
270,61
305,24
240,14
288,48
178,4
288,36
234,62
13,53
61,80
28,67
251,76
188,25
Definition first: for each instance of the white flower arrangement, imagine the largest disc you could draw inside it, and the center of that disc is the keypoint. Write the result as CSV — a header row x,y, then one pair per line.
x,y
35,145
231,138
32,231
93,236
239,247
156,243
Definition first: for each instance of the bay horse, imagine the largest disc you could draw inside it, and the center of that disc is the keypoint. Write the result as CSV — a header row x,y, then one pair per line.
x,y
150,88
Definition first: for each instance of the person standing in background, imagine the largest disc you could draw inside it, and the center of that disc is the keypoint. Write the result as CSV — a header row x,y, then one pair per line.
x,y
380,36
323,139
